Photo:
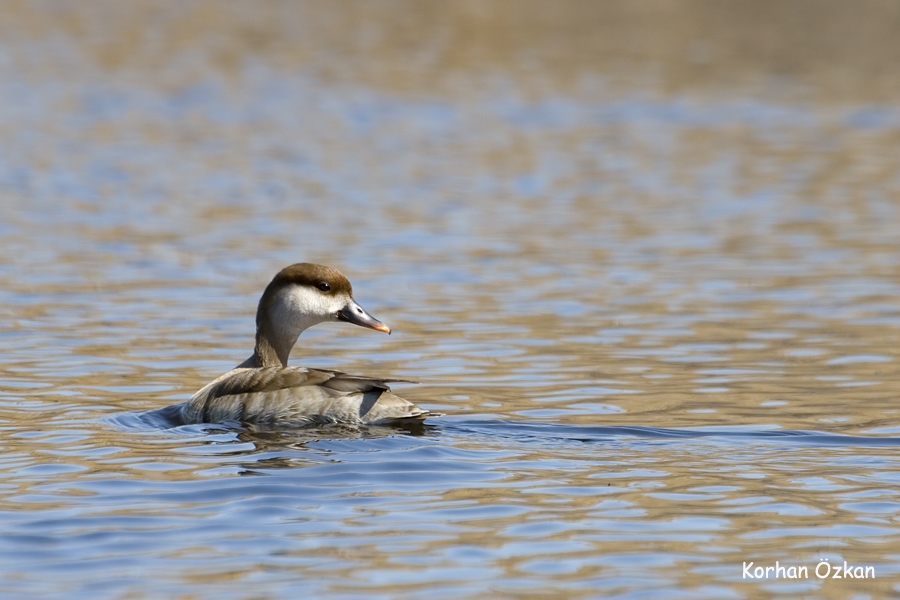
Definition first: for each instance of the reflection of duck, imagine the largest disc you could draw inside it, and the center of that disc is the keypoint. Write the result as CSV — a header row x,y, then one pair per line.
x,y
263,390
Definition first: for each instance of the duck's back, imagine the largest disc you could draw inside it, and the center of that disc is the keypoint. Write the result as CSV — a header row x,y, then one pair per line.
x,y
297,397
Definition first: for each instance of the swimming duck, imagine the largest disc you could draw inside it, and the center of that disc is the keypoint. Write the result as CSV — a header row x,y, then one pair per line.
x,y
264,390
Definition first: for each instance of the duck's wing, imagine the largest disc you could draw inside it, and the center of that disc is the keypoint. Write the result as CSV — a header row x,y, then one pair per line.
x,y
297,396
343,382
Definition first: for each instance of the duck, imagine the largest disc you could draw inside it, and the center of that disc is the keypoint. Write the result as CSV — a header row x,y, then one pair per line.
x,y
264,391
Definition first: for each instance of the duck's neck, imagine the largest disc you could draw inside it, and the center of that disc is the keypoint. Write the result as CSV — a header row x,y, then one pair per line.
x,y
264,355
280,319
273,348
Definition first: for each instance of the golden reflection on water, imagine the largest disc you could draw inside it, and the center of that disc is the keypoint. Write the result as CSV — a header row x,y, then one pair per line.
x,y
701,47
623,245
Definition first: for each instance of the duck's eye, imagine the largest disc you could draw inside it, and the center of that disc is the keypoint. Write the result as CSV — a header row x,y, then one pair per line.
x,y
324,286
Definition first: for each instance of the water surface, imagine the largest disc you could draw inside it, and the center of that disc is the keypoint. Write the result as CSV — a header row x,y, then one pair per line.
x,y
662,324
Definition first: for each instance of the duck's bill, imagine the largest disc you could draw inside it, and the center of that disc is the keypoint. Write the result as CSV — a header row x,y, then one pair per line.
x,y
354,313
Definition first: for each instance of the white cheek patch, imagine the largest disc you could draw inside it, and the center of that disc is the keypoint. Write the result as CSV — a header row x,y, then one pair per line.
x,y
298,307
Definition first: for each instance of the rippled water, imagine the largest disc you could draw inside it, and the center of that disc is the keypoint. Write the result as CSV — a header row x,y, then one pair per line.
x,y
663,327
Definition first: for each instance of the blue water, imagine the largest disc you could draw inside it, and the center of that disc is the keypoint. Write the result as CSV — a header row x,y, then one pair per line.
x,y
662,329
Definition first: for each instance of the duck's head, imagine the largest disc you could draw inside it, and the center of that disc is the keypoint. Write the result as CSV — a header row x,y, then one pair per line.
x,y
309,294
303,295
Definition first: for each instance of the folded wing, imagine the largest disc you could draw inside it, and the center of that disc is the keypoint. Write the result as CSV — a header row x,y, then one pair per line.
x,y
297,396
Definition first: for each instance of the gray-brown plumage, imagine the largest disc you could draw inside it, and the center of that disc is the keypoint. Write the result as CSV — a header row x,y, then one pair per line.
x,y
264,390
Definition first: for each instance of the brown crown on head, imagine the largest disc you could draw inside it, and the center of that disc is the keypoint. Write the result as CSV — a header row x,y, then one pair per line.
x,y
308,274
